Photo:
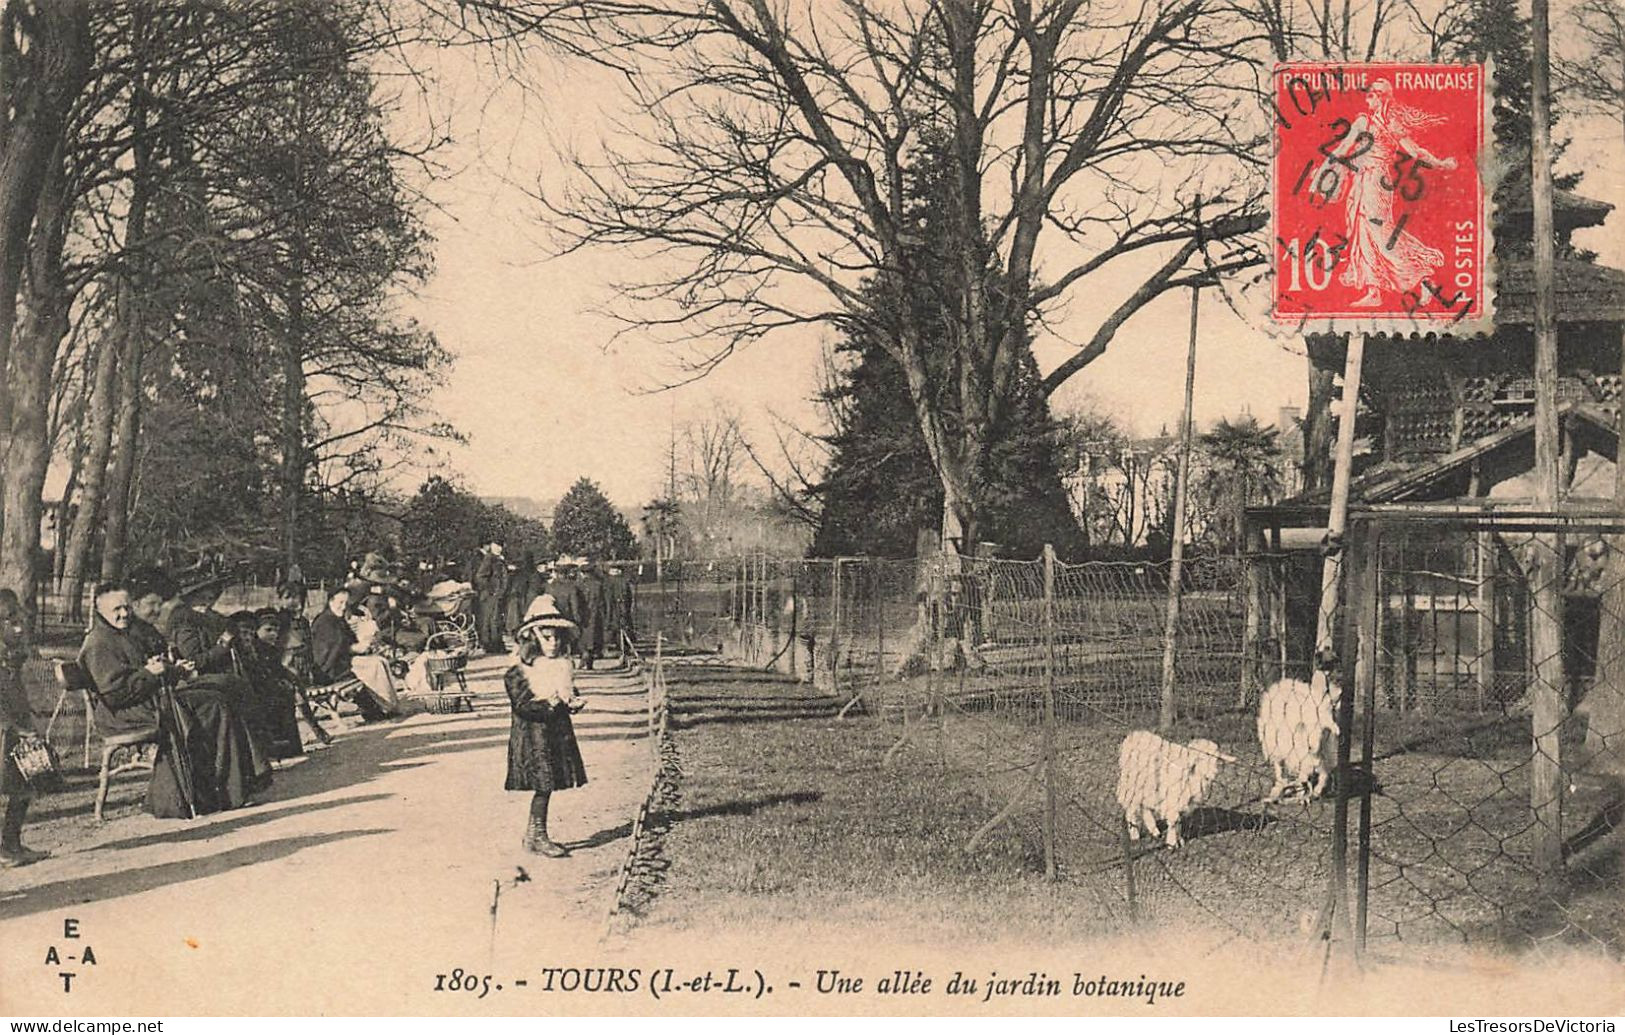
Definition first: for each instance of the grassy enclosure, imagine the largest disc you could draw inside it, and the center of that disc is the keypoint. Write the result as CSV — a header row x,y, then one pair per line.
x,y
787,813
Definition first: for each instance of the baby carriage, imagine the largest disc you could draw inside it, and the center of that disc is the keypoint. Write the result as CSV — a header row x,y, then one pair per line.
x,y
444,658
449,607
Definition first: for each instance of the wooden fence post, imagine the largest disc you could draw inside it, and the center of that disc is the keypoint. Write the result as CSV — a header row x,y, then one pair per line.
x,y
1049,711
878,591
835,629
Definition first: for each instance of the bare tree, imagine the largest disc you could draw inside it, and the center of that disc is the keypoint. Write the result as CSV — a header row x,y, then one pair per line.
x,y
763,177
713,455
1592,74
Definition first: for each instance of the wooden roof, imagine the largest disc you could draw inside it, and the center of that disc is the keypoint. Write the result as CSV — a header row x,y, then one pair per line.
x,y
1569,209
1393,481
1586,292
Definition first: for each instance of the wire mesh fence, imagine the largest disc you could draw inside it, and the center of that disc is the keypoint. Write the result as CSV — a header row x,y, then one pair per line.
x,y
1493,683
1014,686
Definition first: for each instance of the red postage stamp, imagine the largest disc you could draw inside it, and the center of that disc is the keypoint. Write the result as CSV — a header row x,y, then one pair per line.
x,y
1381,217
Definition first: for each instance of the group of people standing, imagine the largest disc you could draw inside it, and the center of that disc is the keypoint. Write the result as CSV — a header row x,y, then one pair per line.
x,y
596,598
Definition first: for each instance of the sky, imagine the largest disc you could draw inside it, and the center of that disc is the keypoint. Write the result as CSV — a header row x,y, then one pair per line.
x,y
546,394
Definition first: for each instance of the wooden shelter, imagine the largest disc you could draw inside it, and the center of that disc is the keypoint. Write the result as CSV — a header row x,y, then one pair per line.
x,y
1443,495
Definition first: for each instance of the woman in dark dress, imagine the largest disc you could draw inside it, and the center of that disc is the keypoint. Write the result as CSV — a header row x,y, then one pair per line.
x,y
543,756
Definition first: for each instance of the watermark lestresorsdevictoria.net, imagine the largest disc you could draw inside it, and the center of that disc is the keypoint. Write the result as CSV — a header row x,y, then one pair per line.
x,y
1534,1026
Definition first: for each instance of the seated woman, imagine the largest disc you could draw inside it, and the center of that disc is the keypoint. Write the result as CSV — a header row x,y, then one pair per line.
x,y
130,664
398,630
269,710
295,631
200,634
201,639
336,656
292,644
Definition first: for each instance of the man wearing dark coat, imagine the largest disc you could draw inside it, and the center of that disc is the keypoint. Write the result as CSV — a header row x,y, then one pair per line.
x,y
127,660
613,624
566,593
591,617
617,607
519,593
491,586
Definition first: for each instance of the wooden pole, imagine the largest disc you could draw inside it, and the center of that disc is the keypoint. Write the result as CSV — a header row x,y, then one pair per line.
x,y
1367,608
877,581
1331,571
835,631
1049,711
1548,706
1349,677
1484,619
1176,567
1606,699
1251,659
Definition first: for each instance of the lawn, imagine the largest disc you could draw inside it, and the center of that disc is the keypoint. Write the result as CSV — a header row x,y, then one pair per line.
x,y
786,814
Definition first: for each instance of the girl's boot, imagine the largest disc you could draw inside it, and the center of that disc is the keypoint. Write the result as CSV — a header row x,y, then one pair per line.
x,y
12,851
536,840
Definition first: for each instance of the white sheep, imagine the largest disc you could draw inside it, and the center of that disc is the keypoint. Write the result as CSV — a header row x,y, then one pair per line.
x,y
1160,780
1298,732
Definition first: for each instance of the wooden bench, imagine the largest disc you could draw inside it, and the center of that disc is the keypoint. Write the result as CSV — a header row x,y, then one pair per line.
x,y
328,697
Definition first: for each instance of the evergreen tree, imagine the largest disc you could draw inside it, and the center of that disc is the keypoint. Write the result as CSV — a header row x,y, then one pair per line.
x,y
587,524
880,488
1242,468
1499,33
446,523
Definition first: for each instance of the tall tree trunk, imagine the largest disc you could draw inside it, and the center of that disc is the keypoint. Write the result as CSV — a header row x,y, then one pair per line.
x,y
115,502
33,357
1317,426
121,472
99,411
59,537
292,474
293,425
40,82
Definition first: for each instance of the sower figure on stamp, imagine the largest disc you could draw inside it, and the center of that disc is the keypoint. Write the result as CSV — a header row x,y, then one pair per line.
x,y
1382,255
543,756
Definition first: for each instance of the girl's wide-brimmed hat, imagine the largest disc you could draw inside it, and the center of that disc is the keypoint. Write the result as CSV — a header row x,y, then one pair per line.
x,y
543,613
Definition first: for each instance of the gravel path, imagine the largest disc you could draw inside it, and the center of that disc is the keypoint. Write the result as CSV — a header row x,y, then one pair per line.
x,y
369,869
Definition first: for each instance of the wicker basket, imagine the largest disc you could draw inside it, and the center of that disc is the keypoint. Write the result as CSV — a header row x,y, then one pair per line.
x,y
449,704
437,663
37,763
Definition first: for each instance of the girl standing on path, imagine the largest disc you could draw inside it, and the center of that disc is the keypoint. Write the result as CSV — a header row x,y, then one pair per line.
x,y
543,756
16,726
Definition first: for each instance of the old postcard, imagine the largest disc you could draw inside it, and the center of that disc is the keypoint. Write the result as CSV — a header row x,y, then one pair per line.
x,y
812,507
